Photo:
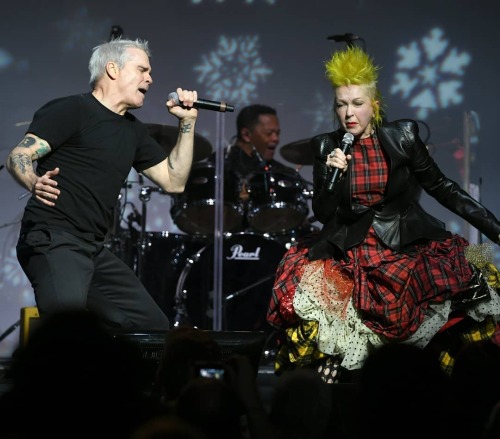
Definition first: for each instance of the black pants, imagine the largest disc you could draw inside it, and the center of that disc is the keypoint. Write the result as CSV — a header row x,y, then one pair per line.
x,y
67,272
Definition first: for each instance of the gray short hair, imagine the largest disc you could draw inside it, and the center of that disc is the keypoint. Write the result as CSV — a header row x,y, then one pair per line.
x,y
114,50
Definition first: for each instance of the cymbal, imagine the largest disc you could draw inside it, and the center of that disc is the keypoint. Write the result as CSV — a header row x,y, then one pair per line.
x,y
166,136
299,152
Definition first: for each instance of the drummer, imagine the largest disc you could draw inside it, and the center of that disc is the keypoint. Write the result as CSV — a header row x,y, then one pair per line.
x,y
253,147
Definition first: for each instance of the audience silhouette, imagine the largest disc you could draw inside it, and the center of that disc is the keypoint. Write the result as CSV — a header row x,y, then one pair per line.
x,y
402,392
212,405
492,427
301,406
184,348
475,382
167,427
73,379
179,386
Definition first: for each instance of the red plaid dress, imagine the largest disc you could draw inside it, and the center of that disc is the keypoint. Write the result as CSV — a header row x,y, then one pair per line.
x,y
389,291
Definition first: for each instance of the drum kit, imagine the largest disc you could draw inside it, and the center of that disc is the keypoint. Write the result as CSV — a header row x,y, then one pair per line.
x,y
178,268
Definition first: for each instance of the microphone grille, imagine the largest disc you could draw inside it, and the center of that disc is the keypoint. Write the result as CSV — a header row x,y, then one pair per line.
x,y
174,96
348,138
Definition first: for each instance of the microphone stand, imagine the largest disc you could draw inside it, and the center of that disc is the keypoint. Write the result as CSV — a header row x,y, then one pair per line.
x,y
10,329
218,224
145,196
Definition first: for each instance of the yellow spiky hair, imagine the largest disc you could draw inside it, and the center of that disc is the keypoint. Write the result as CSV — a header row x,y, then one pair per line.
x,y
353,66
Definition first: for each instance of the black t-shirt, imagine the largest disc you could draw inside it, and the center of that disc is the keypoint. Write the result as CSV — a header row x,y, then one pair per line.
x,y
95,150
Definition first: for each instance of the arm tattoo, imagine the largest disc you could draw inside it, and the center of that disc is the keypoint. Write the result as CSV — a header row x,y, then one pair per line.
x,y
42,150
186,127
22,163
27,142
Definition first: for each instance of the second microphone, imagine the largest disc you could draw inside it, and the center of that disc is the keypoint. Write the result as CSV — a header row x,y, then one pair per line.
x,y
204,104
346,143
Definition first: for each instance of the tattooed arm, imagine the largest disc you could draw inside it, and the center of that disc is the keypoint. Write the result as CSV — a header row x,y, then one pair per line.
x,y
20,166
172,174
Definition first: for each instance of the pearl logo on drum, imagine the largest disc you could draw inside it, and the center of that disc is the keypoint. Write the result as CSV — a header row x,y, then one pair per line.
x,y
237,253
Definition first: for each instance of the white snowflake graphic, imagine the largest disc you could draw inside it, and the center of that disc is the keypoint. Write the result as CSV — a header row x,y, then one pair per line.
x,y
81,30
430,74
11,274
322,113
6,59
232,71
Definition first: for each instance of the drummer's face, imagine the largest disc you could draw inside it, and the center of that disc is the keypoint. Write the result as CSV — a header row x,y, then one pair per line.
x,y
265,136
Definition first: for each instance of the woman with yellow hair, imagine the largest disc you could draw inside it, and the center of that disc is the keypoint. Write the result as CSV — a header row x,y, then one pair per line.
x,y
381,269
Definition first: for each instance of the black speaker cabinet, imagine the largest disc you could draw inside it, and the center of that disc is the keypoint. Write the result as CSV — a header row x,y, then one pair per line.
x,y
248,343
150,343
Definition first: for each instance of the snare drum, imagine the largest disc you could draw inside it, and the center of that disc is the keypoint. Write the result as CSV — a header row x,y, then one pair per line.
x,y
249,265
193,211
277,203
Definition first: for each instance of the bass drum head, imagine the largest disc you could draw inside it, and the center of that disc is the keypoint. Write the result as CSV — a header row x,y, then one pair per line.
x,y
248,271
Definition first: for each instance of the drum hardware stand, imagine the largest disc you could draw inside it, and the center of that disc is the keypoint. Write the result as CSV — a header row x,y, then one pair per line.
x,y
144,196
9,330
249,287
180,307
181,313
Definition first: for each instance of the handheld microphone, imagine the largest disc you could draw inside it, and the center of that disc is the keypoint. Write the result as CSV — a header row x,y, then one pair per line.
x,y
204,104
347,141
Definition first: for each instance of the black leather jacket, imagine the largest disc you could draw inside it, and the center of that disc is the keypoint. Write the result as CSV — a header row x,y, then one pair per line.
x,y
399,220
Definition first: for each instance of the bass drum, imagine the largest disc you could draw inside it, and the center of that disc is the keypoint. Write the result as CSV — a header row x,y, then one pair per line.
x,y
248,270
124,246
161,259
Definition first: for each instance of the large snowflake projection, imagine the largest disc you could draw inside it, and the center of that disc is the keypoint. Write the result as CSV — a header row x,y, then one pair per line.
x,y
12,277
13,274
6,59
321,113
82,31
430,74
232,71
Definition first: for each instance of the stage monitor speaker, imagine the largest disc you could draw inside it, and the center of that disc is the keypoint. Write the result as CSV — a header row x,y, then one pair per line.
x,y
248,343
150,343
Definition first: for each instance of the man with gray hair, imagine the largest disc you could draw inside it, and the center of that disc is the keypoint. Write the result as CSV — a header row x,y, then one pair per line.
x,y
85,146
